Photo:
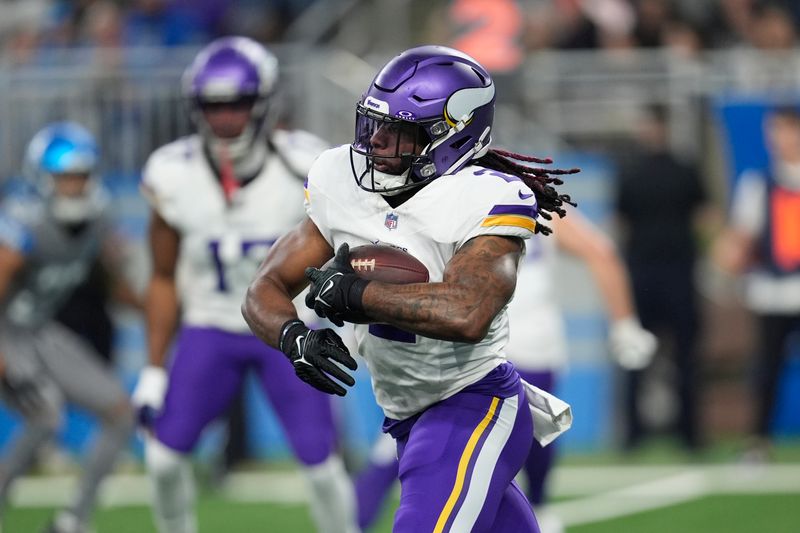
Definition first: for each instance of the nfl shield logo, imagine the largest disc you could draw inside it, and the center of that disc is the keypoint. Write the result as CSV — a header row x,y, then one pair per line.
x,y
391,221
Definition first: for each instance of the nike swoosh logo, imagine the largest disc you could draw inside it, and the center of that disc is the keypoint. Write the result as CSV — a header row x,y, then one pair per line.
x,y
325,289
523,196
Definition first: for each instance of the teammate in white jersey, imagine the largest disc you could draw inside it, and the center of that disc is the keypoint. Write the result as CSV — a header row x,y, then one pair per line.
x,y
220,199
427,182
49,239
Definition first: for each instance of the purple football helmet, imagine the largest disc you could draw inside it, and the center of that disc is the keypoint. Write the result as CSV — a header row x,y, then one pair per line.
x,y
435,97
231,70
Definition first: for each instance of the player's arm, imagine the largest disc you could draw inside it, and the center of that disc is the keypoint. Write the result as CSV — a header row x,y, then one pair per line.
x,y
11,262
112,258
161,301
24,388
631,345
270,313
733,251
478,282
161,309
578,237
268,302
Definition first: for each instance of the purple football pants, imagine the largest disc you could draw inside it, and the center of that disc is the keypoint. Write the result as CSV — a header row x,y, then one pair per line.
x,y
207,371
540,460
458,459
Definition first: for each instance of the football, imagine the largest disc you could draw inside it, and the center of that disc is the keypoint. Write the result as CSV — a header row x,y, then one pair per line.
x,y
387,264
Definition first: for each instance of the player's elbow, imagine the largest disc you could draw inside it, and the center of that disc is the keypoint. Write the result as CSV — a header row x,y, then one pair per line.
x,y
247,306
244,311
471,331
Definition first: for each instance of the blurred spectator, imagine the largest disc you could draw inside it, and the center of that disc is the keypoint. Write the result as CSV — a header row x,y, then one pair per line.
x,y
16,14
763,240
20,28
772,33
730,22
165,23
657,198
540,26
773,28
652,17
682,38
102,25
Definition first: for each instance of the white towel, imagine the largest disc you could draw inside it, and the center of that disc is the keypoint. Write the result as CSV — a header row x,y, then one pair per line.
x,y
551,415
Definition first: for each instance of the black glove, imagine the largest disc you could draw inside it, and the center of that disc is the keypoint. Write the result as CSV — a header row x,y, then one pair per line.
x,y
335,292
313,352
24,392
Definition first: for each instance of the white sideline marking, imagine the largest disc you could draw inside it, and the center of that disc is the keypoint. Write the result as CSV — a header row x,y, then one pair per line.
x,y
634,499
602,492
672,485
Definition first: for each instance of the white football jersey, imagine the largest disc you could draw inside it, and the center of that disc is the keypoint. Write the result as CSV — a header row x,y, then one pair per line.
x,y
222,246
538,340
411,372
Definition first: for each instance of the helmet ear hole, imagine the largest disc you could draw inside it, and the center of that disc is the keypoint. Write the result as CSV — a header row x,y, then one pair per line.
x,y
456,145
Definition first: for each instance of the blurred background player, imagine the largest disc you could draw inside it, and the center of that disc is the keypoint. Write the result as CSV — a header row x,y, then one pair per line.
x,y
49,240
763,240
220,199
538,347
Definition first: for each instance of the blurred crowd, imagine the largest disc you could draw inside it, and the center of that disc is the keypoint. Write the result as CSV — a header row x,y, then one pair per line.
x,y
29,26
688,27
685,26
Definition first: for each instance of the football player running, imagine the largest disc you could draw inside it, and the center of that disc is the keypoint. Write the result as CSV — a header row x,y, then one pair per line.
x,y
425,181
49,238
220,199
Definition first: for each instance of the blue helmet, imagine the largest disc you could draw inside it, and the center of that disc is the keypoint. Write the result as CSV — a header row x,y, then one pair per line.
x,y
65,148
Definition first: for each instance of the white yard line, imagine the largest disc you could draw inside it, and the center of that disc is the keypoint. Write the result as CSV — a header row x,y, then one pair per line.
x,y
670,486
600,492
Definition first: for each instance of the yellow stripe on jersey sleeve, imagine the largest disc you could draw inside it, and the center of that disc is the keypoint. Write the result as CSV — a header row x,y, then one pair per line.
x,y
510,220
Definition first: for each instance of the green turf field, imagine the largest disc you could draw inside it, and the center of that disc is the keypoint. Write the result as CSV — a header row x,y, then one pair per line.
x,y
657,491
774,513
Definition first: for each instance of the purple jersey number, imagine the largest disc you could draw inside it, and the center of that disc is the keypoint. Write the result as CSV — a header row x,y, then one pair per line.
x,y
505,177
246,247
391,333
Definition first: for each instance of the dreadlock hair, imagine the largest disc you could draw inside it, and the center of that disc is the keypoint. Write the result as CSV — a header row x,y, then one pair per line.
x,y
540,180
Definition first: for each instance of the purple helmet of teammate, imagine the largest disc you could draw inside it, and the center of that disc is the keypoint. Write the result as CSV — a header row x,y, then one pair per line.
x,y
233,71
440,104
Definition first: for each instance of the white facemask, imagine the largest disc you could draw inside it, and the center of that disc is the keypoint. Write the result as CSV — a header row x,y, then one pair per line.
x,y
247,154
77,209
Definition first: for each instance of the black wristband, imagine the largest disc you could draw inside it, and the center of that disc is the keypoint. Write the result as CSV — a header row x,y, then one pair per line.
x,y
355,293
289,332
